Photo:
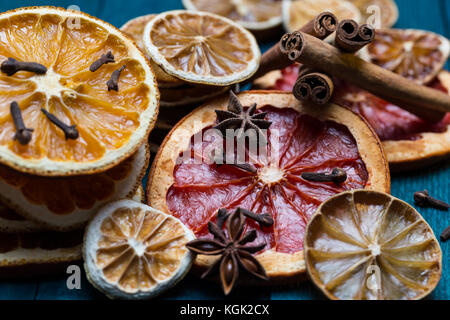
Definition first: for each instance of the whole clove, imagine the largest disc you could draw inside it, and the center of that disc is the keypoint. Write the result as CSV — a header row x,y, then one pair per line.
x,y
113,83
337,176
104,59
70,132
423,199
11,66
23,134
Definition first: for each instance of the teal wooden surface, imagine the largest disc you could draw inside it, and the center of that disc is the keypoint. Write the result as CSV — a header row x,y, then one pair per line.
x,y
433,15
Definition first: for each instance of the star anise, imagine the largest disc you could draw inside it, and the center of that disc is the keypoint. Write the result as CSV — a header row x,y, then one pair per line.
x,y
237,118
232,248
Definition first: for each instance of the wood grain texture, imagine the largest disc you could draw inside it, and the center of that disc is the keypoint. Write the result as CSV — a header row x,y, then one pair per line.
x,y
433,15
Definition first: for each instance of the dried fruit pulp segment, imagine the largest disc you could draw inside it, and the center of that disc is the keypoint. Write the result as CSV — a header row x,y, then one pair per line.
x,y
307,144
105,120
389,121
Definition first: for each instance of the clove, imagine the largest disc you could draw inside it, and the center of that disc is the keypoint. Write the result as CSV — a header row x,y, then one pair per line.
x,y
11,66
23,134
337,176
104,59
445,235
70,132
264,219
423,199
113,83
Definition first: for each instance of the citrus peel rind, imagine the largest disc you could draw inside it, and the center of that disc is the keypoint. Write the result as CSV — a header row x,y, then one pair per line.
x,y
369,245
253,15
132,251
11,222
297,13
209,49
111,125
280,266
68,203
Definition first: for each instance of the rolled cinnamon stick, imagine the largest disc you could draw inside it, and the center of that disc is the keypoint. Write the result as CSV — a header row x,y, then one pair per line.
x,y
321,27
425,102
313,86
351,37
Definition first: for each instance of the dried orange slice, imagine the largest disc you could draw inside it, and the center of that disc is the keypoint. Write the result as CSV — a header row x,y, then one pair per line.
x,y
111,125
372,10
202,47
38,253
251,14
369,245
135,29
11,222
415,54
63,203
189,94
309,140
297,13
132,251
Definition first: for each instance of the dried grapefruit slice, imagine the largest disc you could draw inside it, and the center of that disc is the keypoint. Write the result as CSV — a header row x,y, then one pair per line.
x,y
202,47
62,203
111,125
385,10
297,13
311,139
132,251
38,253
251,14
415,54
135,29
369,245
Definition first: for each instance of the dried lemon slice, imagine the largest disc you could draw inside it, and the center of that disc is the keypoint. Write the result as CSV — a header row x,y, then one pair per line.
x,y
202,47
372,10
251,14
414,54
111,125
369,245
297,13
132,251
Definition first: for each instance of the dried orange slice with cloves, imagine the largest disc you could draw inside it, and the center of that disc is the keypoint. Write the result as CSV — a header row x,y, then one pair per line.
x,y
58,115
255,15
63,203
330,142
132,251
369,245
297,13
414,54
202,47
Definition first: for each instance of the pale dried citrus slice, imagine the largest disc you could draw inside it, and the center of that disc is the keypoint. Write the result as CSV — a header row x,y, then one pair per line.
x,y
251,14
135,29
415,54
38,253
63,203
202,47
302,138
297,13
111,124
132,251
369,245
372,10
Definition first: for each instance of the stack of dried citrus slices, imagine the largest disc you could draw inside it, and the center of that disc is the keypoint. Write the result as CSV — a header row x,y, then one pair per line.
x,y
78,100
409,142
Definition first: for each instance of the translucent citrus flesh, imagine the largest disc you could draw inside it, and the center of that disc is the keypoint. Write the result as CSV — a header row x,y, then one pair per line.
x,y
389,121
62,195
138,249
386,9
105,120
363,241
307,145
303,11
202,45
242,10
413,55
40,240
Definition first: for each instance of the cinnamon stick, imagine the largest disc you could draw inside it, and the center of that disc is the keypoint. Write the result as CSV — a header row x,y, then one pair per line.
x,y
313,86
321,27
425,102
351,37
